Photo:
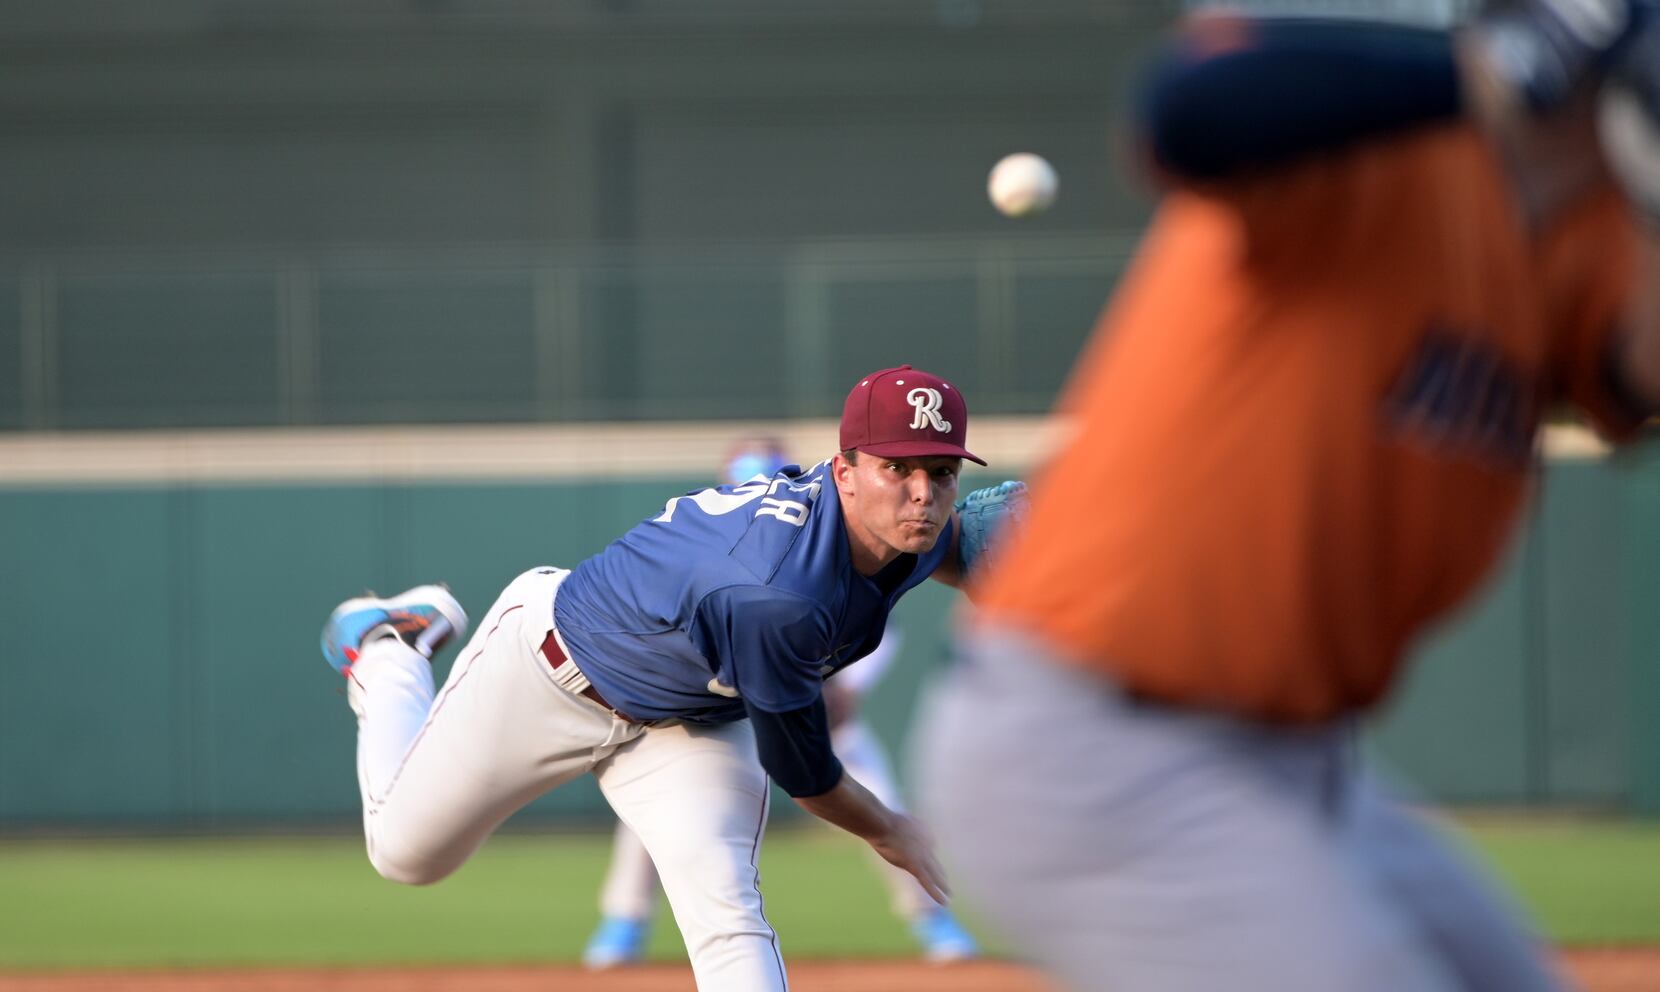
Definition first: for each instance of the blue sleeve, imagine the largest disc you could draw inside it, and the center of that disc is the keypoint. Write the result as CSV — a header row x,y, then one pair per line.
x,y
769,644
1231,95
795,748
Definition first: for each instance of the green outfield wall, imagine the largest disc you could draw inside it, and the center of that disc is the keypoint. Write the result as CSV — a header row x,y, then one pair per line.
x,y
161,668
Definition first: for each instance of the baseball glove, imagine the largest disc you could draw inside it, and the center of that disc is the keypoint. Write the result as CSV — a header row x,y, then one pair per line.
x,y
983,513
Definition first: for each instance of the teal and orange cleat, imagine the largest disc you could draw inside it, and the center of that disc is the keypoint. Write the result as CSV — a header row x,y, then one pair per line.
x,y
425,618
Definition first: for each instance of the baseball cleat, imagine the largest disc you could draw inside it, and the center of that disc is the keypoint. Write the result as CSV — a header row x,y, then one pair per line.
x,y
617,941
943,939
425,618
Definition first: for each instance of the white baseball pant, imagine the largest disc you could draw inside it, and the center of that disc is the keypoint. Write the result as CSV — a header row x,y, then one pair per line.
x,y
439,775
630,888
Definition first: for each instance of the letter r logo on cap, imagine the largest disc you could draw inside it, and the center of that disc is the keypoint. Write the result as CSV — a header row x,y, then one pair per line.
x,y
927,402
904,412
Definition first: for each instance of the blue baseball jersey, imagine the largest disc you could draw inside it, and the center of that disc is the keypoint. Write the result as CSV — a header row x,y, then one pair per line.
x,y
732,595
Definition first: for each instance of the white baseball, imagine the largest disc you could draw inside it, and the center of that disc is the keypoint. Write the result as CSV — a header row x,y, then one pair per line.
x,y
1022,184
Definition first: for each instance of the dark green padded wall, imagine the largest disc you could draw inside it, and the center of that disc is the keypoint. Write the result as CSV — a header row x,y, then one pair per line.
x,y
1639,594
1528,695
1458,726
162,670
1582,684
96,718
255,563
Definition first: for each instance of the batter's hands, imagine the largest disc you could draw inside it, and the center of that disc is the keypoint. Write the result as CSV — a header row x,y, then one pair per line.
x,y
908,845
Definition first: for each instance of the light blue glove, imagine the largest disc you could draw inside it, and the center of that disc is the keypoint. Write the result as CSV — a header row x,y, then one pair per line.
x,y
983,513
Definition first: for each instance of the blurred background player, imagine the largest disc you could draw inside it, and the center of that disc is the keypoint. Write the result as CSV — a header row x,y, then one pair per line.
x,y
1305,430
628,897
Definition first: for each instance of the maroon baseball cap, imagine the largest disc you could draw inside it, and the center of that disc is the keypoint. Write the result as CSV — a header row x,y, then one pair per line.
x,y
905,412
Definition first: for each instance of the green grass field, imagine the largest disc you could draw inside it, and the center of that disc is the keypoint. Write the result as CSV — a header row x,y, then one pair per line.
x,y
530,898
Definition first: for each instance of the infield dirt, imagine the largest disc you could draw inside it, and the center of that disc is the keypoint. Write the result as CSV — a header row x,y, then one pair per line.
x,y
1595,970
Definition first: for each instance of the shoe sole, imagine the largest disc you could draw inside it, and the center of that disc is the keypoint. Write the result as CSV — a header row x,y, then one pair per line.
x,y
436,596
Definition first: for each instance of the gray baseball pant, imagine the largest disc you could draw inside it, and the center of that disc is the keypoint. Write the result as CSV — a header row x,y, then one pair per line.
x,y
1132,847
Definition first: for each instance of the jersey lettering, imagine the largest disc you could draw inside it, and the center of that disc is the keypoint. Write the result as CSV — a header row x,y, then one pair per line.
x,y
1461,396
791,511
714,502
787,510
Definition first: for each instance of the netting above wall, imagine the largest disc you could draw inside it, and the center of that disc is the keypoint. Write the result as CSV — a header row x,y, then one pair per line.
x,y
230,213
524,336
172,18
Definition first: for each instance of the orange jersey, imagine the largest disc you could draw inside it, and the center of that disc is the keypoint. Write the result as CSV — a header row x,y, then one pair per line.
x,y
1306,426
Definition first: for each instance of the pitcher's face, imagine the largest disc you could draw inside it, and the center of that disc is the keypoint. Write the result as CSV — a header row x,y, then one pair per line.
x,y
893,505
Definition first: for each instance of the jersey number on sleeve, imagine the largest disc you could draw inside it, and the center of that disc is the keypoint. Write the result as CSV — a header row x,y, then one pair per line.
x,y
716,503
